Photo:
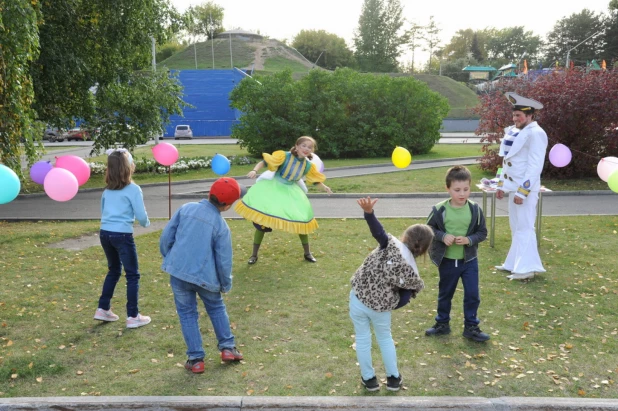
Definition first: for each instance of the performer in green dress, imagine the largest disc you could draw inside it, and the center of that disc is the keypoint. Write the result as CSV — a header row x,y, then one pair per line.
x,y
278,202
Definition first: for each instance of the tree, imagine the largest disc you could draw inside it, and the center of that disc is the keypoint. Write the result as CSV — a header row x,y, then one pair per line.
x,y
200,20
475,48
509,44
378,39
329,50
569,32
580,112
19,43
431,36
610,53
414,34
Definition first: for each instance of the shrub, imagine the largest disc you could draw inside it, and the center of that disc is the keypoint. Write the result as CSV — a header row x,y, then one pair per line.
x,y
146,165
580,111
350,114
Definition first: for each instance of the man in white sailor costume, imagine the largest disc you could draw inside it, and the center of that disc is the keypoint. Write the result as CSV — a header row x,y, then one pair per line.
x,y
523,150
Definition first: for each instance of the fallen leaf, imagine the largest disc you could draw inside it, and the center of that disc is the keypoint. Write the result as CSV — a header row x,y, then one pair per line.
x,y
39,379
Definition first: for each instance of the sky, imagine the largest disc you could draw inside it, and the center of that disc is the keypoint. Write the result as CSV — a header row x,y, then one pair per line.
x,y
283,19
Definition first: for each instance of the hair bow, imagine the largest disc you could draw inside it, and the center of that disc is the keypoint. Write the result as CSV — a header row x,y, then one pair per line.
x,y
120,150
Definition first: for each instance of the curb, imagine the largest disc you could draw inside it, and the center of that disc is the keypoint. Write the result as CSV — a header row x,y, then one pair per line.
x,y
246,403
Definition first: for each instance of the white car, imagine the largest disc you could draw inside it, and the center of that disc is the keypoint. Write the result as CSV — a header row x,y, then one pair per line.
x,y
183,131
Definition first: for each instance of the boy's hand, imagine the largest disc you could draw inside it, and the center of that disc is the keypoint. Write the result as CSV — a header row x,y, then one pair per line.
x,y
499,194
448,239
367,204
461,240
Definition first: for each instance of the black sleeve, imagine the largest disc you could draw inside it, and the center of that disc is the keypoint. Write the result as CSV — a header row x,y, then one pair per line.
x,y
404,297
377,231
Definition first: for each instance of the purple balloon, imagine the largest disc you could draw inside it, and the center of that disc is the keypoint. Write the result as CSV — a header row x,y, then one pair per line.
x,y
560,155
39,170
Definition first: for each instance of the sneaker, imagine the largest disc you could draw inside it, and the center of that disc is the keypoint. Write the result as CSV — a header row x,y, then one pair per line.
x,y
439,329
196,366
105,315
473,332
394,383
140,320
501,268
231,354
371,384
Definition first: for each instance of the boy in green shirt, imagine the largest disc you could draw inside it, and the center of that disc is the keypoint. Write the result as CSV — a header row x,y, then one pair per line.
x,y
458,225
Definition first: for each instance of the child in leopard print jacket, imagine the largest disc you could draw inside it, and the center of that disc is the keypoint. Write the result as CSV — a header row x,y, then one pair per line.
x,y
386,280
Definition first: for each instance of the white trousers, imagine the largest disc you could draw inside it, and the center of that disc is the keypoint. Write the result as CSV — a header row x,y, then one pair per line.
x,y
523,256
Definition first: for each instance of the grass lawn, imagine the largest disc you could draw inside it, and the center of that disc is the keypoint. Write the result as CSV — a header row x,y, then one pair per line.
x,y
553,336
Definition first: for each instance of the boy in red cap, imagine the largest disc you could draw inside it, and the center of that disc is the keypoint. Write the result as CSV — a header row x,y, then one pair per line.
x,y
196,246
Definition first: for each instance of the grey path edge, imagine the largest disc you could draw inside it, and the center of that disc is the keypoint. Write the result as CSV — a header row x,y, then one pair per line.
x,y
244,403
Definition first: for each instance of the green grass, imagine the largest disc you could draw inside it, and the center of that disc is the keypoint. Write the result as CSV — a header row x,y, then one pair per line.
x,y
242,55
280,63
554,336
461,98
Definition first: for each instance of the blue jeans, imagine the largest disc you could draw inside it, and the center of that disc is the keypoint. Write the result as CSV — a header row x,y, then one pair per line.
x,y
185,297
120,252
450,272
362,318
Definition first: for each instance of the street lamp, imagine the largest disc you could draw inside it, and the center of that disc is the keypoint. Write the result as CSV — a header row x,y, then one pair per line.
x,y
573,48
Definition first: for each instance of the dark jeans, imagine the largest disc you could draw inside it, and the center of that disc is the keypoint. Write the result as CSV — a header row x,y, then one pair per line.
x,y
450,272
120,251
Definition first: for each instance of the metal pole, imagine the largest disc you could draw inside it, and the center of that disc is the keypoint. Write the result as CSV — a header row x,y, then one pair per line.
x,y
212,41
154,55
195,55
231,61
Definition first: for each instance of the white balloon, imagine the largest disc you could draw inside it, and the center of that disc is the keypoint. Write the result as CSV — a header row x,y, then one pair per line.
x,y
318,162
606,166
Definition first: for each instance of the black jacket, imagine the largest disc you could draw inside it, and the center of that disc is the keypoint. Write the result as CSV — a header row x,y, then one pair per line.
x,y
477,232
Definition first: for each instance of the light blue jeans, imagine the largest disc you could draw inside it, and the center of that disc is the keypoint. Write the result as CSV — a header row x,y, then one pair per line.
x,y
185,297
362,318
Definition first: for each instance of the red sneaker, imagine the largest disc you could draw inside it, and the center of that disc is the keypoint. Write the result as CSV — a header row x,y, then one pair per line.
x,y
231,354
195,366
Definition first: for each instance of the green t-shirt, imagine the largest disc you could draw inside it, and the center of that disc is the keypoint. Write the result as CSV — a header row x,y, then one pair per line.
x,y
456,220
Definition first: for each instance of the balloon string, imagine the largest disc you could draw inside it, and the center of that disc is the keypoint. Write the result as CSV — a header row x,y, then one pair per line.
x,y
585,154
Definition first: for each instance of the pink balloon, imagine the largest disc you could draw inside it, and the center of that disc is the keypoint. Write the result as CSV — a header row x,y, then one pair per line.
x,y
166,154
60,184
606,166
76,165
560,155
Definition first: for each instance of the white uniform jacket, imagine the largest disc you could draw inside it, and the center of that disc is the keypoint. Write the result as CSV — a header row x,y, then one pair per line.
x,y
522,165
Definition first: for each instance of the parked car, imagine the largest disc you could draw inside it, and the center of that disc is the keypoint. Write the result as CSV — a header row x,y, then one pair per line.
x,y
52,134
183,131
77,134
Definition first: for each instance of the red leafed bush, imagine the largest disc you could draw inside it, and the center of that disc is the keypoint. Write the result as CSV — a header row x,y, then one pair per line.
x,y
580,111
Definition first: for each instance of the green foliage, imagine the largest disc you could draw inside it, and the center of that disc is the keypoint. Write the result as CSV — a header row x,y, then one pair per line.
x,y
329,50
19,43
431,36
378,39
508,44
350,114
570,31
132,112
167,50
204,20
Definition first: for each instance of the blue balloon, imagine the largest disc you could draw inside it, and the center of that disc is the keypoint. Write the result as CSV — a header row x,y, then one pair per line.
x,y
220,164
10,185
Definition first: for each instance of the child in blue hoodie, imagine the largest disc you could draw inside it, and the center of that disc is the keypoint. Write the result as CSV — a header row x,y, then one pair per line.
x,y
122,202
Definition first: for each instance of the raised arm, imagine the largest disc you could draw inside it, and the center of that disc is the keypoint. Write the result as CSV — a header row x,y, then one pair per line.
x,y
377,231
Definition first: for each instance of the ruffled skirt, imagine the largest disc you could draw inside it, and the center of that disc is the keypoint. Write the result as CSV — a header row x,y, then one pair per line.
x,y
278,205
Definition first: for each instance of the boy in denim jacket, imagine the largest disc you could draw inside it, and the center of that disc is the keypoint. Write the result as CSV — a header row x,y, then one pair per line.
x,y
197,254
458,225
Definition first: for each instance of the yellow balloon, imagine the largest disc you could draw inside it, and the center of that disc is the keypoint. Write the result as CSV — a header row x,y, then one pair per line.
x,y
401,157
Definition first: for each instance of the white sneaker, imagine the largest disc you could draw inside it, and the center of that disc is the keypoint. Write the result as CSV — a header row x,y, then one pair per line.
x,y
501,268
521,276
140,320
105,315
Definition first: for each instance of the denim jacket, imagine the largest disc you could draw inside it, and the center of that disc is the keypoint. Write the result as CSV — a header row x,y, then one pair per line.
x,y
196,246
477,232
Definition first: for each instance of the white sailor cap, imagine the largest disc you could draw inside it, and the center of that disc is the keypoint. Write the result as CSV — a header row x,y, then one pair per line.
x,y
527,105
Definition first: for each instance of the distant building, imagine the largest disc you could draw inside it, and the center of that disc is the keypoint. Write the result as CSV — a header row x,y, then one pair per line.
x,y
479,73
240,34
